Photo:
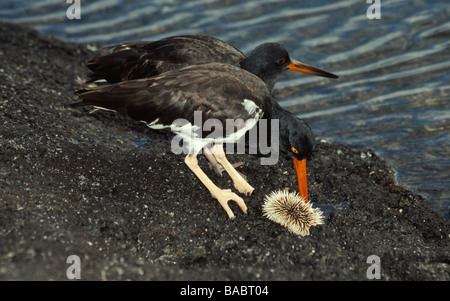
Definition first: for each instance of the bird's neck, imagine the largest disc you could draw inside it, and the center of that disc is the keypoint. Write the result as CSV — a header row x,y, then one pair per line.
x,y
291,124
284,117
277,112
269,80
267,76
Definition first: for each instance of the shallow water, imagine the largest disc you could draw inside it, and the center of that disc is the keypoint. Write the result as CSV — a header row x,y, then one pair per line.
x,y
394,86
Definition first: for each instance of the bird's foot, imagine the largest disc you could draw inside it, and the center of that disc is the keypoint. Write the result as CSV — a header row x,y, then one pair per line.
x,y
225,195
243,187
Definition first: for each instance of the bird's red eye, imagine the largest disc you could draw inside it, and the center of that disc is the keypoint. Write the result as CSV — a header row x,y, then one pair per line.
x,y
281,61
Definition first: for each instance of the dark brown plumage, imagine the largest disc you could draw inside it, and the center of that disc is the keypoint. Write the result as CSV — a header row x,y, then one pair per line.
x,y
217,90
141,59
134,60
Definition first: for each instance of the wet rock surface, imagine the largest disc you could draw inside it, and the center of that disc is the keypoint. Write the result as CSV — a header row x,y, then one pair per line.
x,y
109,190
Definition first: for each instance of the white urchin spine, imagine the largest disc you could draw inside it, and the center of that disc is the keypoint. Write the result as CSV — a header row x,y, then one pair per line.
x,y
291,211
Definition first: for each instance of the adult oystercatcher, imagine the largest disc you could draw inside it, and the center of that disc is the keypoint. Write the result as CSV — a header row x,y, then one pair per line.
x,y
220,92
134,60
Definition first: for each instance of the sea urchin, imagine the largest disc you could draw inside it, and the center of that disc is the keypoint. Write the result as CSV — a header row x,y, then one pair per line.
x,y
291,211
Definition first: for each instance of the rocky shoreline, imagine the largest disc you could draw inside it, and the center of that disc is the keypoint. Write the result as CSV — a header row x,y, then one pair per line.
x,y
109,190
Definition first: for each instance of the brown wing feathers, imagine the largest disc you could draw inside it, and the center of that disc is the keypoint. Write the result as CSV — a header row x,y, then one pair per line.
x,y
218,90
133,60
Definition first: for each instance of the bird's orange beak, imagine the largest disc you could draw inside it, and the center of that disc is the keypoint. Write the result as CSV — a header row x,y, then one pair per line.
x,y
300,168
300,67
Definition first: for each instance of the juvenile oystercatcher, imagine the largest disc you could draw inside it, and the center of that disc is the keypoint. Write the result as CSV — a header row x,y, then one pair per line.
x,y
220,92
134,60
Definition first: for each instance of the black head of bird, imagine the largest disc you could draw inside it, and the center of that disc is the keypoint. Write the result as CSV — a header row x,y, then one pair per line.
x,y
297,142
268,60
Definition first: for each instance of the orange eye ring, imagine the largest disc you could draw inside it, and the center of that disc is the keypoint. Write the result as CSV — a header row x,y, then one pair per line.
x,y
294,150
